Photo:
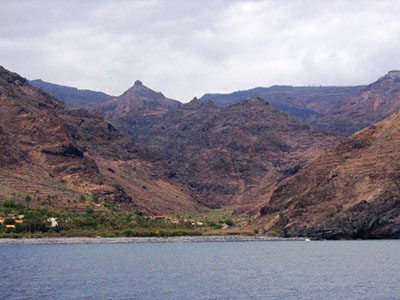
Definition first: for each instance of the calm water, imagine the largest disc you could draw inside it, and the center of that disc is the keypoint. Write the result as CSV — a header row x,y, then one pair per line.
x,y
241,270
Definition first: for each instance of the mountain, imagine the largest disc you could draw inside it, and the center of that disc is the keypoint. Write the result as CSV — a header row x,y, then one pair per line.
x,y
52,152
300,102
226,155
351,191
73,97
375,102
136,101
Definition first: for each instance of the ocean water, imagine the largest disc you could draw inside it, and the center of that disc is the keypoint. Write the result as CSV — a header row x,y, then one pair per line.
x,y
206,270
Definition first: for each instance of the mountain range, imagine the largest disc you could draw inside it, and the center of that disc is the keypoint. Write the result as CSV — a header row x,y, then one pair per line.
x,y
290,155
303,102
340,110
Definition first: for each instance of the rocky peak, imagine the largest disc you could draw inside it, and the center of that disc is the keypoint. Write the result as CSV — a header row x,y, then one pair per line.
x,y
140,90
138,83
138,100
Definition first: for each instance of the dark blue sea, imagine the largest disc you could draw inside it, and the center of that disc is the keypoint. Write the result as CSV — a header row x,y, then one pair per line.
x,y
205,270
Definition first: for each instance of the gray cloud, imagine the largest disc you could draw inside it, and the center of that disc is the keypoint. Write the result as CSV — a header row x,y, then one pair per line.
x,y
187,48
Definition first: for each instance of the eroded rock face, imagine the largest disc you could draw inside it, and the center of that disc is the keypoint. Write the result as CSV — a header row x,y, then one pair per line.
x,y
352,191
48,149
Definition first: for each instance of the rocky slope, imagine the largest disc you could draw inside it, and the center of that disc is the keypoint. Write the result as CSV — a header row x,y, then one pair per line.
x,y
226,155
48,151
352,191
73,97
374,103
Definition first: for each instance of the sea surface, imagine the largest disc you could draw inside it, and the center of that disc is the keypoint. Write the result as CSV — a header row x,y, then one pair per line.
x,y
202,270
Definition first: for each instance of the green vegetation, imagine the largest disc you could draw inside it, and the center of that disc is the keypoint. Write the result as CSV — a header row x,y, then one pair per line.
x,y
24,220
9,204
229,222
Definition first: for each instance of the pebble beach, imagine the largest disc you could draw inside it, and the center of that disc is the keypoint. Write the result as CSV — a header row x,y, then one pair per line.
x,y
180,239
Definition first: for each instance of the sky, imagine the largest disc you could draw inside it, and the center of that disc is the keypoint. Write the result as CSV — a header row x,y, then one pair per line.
x,y
186,48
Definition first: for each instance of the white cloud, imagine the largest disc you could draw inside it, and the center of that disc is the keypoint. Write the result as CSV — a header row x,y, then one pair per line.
x,y
188,48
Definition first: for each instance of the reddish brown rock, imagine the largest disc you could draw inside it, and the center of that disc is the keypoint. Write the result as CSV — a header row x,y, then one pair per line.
x,y
352,191
49,150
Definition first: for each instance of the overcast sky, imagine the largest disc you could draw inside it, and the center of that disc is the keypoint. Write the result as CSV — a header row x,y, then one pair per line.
x,y
186,48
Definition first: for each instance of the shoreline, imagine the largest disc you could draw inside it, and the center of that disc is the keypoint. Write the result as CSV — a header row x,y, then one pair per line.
x,y
127,240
